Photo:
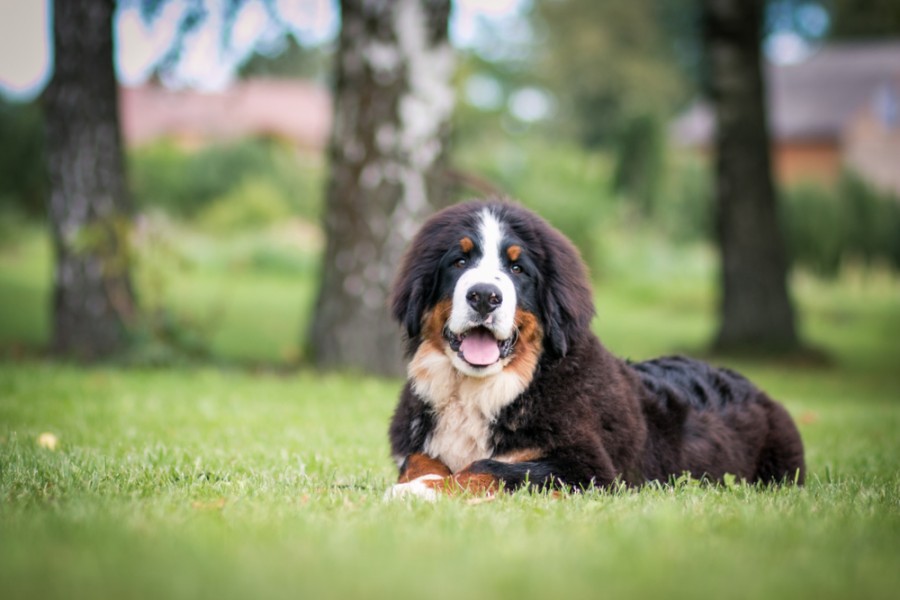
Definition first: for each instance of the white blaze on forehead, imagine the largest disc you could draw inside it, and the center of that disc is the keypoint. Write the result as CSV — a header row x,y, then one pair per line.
x,y
491,233
489,270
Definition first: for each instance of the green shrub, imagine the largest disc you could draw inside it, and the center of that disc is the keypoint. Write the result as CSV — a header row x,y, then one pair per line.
x,y
853,222
23,175
874,222
254,202
823,228
685,209
639,172
184,183
814,229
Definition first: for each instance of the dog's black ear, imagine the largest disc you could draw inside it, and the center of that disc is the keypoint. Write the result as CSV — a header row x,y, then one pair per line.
x,y
567,306
416,283
408,296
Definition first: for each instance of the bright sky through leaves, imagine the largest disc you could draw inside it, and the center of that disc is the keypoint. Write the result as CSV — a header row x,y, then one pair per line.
x,y
25,53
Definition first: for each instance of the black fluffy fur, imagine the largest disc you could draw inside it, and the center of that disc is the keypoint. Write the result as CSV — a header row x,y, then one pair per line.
x,y
595,418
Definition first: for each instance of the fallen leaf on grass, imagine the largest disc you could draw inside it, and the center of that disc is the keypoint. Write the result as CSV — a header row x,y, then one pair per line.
x,y
48,440
808,418
481,499
218,504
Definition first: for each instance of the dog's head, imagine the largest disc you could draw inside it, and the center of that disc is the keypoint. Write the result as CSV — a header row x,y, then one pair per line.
x,y
491,285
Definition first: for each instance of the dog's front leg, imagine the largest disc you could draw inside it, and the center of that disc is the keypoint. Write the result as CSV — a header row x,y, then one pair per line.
x,y
418,465
420,476
491,475
561,471
426,477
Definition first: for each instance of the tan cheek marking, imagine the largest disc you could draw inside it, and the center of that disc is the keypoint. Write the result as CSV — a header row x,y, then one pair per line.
x,y
528,347
514,252
435,320
466,244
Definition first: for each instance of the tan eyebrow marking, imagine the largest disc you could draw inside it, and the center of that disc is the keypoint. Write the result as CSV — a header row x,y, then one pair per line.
x,y
466,244
513,252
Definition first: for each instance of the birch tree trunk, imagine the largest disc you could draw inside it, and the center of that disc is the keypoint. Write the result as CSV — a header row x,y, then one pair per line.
x,y
755,309
392,109
88,205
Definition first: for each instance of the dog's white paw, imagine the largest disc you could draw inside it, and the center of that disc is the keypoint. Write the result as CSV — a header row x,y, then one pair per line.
x,y
417,488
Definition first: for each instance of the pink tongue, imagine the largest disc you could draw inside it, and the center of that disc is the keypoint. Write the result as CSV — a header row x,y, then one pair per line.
x,y
480,348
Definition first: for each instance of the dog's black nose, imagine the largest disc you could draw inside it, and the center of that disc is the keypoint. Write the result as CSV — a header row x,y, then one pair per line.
x,y
484,297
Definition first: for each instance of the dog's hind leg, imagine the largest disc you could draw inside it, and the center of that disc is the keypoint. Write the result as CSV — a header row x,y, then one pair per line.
x,y
781,458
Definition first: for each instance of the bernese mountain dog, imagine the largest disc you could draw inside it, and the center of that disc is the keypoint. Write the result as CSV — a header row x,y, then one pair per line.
x,y
509,387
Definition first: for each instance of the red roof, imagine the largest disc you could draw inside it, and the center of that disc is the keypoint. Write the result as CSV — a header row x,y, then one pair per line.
x,y
298,111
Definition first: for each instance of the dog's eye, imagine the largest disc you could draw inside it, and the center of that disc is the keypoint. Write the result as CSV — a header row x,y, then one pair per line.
x,y
516,268
460,263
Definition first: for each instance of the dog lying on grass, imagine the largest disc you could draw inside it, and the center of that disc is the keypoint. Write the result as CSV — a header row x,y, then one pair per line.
x,y
508,386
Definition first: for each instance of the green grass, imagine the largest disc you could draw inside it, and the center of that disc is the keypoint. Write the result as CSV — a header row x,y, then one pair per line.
x,y
228,483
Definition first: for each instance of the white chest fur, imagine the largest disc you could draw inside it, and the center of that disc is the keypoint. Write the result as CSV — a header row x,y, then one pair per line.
x,y
465,407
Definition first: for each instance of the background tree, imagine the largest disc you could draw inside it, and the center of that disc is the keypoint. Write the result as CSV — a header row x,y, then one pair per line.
x,y
393,101
608,63
863,19
617,77
755,309
88,204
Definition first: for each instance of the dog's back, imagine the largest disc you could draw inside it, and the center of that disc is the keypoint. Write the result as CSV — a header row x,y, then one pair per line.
x,y
712,421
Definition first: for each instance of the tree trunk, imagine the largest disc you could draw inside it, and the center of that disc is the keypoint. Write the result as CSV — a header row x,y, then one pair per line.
x,y
88,206
392,108
755,310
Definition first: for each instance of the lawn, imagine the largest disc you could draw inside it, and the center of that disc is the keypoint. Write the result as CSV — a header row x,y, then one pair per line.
x,y
216,480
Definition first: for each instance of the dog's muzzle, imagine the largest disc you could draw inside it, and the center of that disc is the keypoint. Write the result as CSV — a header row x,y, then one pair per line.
x,y
478,346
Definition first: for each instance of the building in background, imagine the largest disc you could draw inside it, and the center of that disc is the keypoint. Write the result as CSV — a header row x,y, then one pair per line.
x,y
839,109
293,111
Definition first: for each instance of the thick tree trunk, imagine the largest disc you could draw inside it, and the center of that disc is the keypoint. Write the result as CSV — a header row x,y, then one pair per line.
x,y
755,310
392,109
88,205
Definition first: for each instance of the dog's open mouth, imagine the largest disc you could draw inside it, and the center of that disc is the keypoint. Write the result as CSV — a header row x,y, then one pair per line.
x,y
478,346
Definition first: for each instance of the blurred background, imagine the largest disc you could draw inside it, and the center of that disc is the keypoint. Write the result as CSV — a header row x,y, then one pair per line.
x,y
191,181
